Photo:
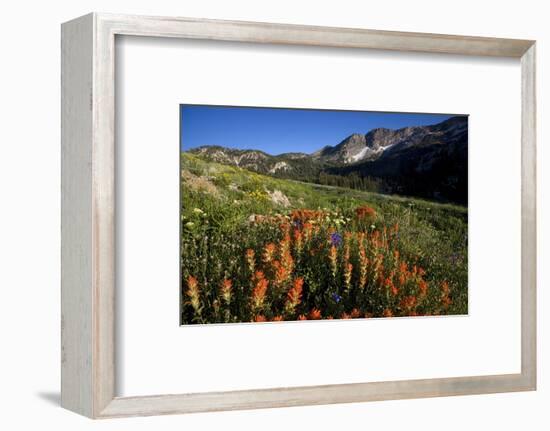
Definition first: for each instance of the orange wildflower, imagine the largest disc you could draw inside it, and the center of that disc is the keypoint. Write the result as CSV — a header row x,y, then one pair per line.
x,y
387,313
287,261
193,292
285,228
298,241
294,295
396,255
365,213
403,273
363,266
423,287
408,303
355,313
278,318
395,229
375,239
315,314
269,252
259,292
225,290
260,318
445,290
302,317
388,283
333,257
284,245
249,255
379,269
304,215
307,230
283,268
347,275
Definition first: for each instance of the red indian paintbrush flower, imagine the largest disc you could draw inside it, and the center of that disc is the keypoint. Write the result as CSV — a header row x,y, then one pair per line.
x,y
307,230
355,313
365,213
388,283
225,290
294,295
250,260
445,290
285,228
269,252
287,262
403,273
193,292
305,215
347,275
259,292
315,314
423,287
298,241
283,269
408,303
363,265
333,257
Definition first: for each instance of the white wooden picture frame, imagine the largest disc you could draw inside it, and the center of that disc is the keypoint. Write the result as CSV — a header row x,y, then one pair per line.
x,y
88,215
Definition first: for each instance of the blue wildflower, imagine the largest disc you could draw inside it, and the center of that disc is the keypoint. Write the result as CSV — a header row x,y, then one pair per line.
x,y
337,298
336,239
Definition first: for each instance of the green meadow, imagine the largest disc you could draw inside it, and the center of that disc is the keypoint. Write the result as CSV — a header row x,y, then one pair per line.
x,y
259,248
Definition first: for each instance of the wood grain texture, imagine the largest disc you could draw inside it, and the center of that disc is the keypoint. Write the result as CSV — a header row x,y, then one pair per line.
x,y
312,395
76,216
103,216
241,31
529,218
89,203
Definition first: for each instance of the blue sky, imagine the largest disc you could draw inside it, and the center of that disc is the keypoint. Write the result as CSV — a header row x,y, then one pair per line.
x,y
277,131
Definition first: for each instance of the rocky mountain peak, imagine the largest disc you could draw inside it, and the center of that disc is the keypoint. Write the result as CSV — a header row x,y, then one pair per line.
x,y
355,148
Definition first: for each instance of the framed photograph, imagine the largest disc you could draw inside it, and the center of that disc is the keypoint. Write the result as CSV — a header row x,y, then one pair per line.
x,y
265,215
279,225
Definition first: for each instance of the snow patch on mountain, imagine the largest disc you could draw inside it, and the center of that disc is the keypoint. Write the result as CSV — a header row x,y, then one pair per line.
x,y
279,166
360,155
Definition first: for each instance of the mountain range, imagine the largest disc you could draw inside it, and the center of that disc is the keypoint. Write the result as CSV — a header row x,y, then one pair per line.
x,y
426,161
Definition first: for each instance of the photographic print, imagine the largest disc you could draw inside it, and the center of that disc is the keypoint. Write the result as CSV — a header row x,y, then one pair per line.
x,y
308,214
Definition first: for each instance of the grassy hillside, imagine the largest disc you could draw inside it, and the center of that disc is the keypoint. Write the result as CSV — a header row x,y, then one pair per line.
x,y
260,248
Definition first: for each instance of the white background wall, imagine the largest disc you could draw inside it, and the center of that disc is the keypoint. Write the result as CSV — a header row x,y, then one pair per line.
x,y
29,212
